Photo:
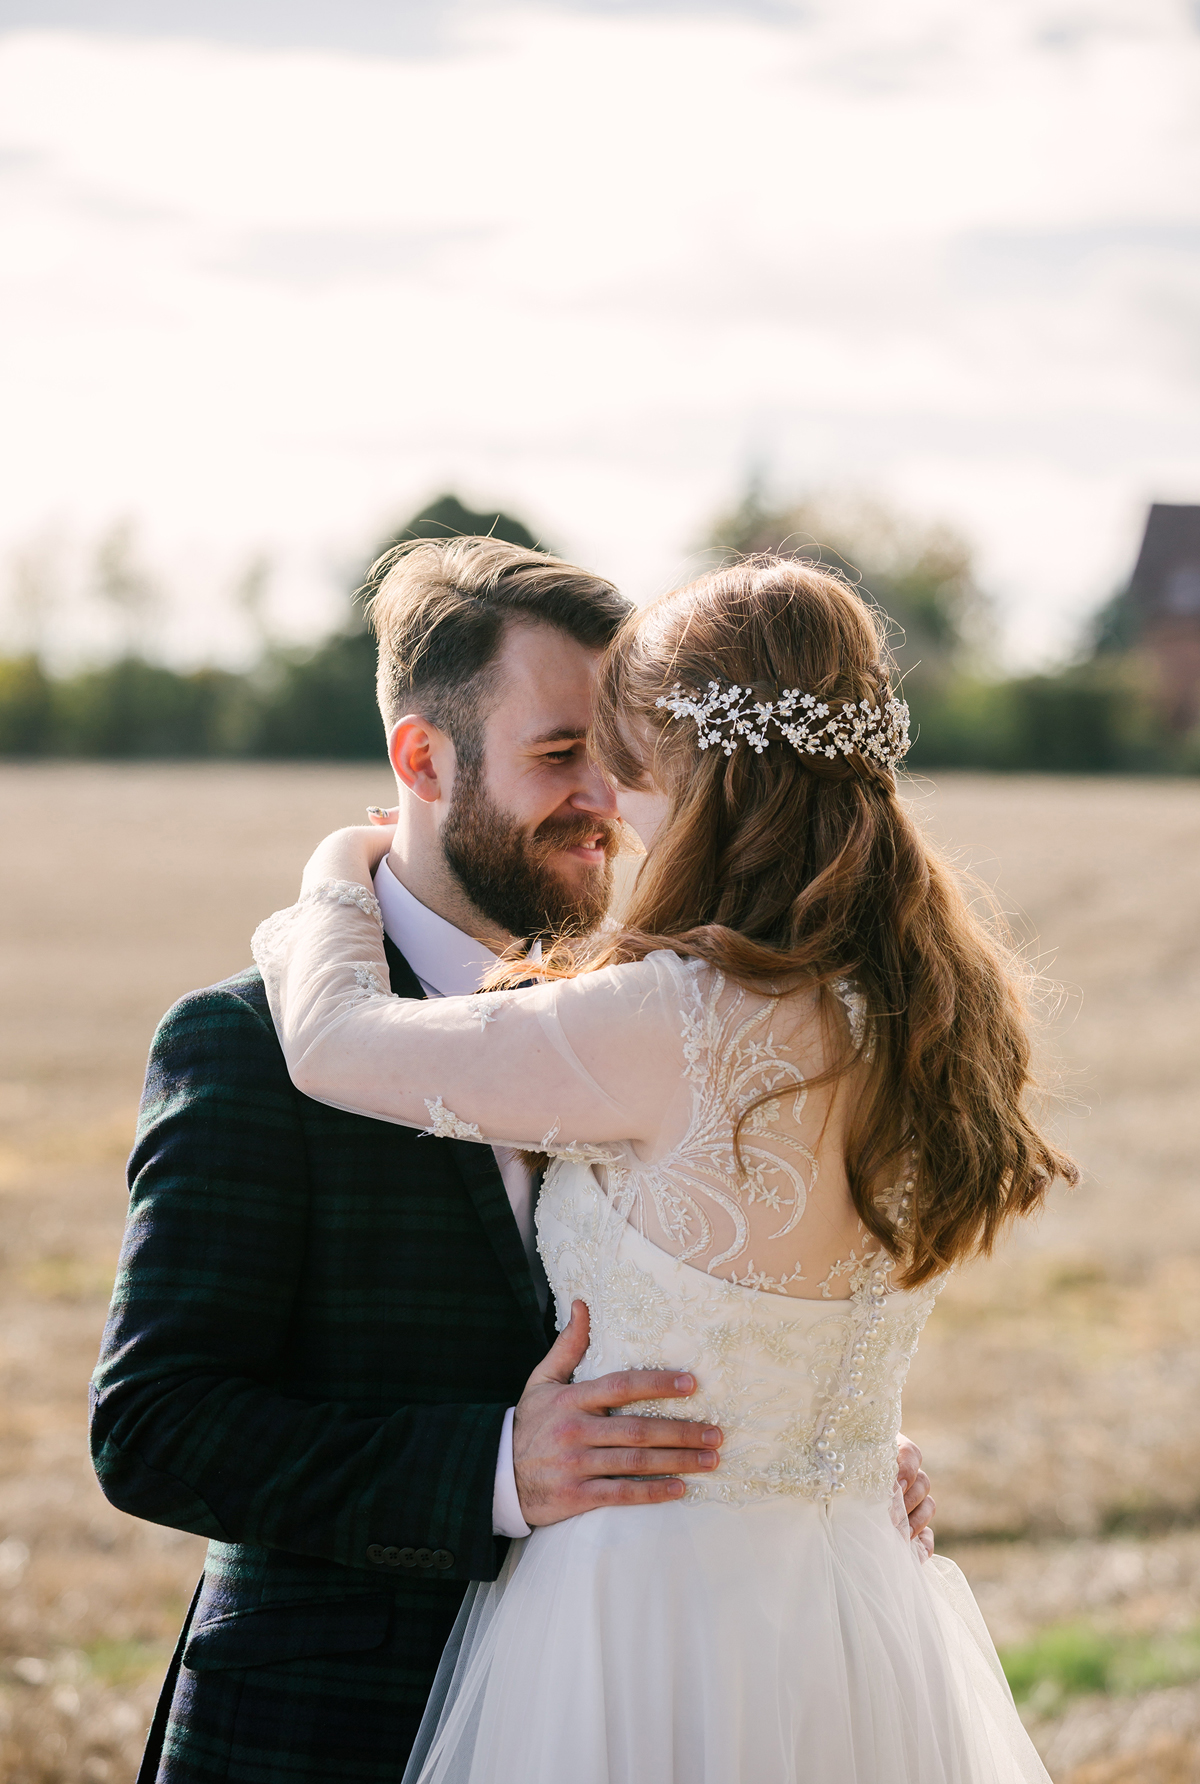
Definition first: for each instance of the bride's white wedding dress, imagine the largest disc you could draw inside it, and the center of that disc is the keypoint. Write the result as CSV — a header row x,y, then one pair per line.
x,y
776,1626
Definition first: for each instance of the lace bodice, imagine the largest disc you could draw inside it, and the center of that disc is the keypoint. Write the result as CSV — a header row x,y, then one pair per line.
x,y
639,1071
806,1392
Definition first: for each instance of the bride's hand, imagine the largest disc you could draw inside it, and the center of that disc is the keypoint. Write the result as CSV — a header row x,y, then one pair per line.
x,y
351,854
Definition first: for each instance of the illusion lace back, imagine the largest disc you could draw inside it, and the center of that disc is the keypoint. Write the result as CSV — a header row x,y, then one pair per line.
x,y
738,1212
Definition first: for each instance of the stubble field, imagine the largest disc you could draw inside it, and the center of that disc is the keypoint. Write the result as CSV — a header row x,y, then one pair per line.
x,y
1057,1392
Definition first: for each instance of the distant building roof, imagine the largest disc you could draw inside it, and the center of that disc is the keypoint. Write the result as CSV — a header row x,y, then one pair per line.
x,y
1166,578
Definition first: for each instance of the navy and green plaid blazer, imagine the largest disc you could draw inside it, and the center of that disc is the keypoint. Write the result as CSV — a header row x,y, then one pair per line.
x,y
317,1324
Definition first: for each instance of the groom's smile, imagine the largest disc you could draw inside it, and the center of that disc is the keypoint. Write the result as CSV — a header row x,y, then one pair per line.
x,y
590,852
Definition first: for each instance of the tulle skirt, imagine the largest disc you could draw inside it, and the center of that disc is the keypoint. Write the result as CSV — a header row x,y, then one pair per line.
x,y
781,1642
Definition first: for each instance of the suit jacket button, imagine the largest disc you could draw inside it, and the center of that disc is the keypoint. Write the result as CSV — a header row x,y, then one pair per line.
x,y
424,1557
390,1556
375,1552
404,1557
443,1558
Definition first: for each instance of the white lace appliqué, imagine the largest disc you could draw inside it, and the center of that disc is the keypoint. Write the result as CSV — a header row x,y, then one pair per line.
x,y
805,1388
344,892
705,1201
271,941
856,1012
487,1005
444,1124
371,980
577,1151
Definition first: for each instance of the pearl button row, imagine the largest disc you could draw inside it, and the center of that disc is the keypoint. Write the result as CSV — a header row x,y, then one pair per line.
x,y
833,1463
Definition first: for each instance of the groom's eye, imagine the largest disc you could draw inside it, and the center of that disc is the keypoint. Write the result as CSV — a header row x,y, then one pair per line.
x,y
566,755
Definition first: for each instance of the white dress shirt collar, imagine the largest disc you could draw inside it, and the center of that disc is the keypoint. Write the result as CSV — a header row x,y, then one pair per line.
x,y
447,962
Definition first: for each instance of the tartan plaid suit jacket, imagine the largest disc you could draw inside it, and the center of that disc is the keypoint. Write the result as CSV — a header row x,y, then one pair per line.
x,y
317,1324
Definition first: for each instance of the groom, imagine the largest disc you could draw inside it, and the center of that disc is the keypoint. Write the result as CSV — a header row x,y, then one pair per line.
x,y
327,1348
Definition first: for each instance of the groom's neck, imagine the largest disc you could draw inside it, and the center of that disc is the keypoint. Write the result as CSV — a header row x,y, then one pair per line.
x,y
422,869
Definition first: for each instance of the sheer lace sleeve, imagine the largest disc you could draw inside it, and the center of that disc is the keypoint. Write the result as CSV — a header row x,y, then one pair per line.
x,y
567,1068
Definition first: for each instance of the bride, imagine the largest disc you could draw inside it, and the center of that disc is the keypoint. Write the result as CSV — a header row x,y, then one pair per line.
x,y
779,1104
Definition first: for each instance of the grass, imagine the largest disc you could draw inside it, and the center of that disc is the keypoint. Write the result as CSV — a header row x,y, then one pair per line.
x,y
1070,1659
126,1662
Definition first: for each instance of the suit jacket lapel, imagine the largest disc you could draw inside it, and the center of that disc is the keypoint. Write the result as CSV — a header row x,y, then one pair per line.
x,y
479,1171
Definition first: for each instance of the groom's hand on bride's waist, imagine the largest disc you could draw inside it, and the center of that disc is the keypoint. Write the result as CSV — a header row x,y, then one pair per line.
x,y
913,1483
570,1454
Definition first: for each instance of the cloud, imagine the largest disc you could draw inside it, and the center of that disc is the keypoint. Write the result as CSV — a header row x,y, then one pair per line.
x,y
428,27
596,259
771,12
328,256
371,27
368,27
1002,263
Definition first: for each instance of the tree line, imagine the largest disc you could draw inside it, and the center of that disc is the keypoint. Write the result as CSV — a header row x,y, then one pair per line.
x,y
1098,715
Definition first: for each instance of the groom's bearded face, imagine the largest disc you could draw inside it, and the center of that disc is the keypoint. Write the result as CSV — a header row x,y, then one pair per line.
x,y
518,876
530,826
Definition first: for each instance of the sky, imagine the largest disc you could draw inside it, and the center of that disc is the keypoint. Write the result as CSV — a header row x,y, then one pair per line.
x,y
274,272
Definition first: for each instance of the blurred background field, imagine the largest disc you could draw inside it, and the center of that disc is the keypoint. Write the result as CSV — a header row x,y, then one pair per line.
x,y
1055,1394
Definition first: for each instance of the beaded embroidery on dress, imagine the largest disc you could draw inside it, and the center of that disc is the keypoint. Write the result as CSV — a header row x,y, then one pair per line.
x,y
807,1392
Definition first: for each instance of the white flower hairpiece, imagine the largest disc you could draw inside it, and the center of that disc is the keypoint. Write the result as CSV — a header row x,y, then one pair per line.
x,y
810,725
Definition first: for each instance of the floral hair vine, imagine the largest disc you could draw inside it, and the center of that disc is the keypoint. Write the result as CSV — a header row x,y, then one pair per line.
x,y
811,726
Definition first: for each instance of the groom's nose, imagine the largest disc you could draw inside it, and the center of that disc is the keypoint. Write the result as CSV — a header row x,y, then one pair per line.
x,y
594,795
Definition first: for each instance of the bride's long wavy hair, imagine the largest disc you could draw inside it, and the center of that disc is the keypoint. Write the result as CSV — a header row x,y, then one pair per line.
x,y
782,868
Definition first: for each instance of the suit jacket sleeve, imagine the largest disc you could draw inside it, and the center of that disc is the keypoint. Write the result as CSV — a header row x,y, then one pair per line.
x,y
186,1427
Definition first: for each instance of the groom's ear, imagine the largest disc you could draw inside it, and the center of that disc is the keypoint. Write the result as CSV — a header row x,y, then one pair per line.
x,y
422,757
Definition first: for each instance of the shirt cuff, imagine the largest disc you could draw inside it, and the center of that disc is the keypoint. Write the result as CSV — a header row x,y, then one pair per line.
x,y
506,1507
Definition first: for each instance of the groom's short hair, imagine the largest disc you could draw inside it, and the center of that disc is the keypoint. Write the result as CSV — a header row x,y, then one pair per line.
x,y
440,609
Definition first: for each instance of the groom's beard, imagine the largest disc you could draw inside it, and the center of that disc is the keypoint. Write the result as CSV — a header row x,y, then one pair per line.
x,y
507,873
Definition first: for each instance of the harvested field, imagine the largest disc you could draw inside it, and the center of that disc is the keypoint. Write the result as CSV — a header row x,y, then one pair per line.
x,y
1056,1394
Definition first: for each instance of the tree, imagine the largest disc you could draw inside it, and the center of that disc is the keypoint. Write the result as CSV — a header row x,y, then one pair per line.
x,y
250,598
35,590
446,518
123,584
26,707
919,576
322,703
132,708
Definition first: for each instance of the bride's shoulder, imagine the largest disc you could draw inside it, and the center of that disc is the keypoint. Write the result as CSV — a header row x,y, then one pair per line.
x,y
664,971
658,985
692,979
660,968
